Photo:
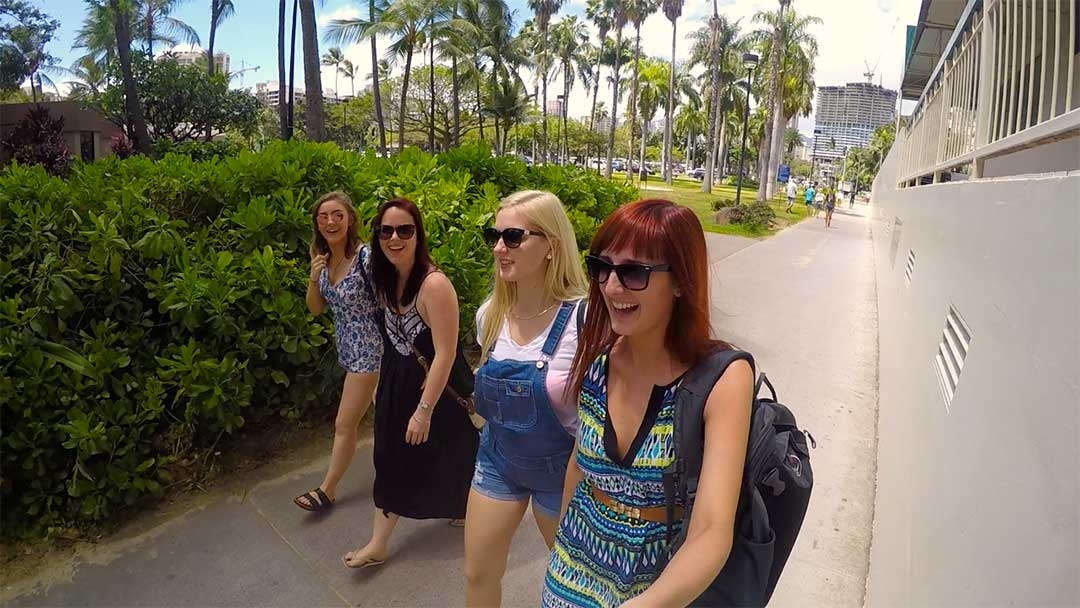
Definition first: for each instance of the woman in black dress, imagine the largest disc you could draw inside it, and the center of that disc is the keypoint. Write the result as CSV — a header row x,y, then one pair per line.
x,y
425,443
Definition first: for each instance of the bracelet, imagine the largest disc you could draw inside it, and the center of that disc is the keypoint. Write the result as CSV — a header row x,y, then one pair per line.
x,y
420,420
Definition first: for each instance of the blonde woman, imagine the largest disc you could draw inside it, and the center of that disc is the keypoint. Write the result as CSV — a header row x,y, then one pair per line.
x,y
528,334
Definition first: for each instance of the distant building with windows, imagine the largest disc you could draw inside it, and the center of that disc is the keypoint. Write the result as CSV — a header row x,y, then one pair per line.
x,y
87,132
267,93
198,58
847,115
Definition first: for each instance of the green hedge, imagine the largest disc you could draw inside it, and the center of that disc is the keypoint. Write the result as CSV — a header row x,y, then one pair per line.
x,y
150,308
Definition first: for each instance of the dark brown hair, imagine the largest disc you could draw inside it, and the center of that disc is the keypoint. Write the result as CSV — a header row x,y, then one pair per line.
x,y
661,230
383,273
319,246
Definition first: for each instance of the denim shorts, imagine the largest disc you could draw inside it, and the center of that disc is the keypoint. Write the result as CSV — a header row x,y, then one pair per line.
x,y
515,479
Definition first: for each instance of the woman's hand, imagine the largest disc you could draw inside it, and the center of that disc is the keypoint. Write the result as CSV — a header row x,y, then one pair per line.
x,y
318,263
419,427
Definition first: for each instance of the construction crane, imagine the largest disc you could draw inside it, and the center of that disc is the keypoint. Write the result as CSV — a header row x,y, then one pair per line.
x,y
869,73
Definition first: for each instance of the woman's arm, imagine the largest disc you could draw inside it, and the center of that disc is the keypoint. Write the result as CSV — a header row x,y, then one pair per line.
x,y
712,522
571,481
438,306
315,301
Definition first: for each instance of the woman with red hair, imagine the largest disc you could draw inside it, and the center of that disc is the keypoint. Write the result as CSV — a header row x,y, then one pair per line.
x,y
647,324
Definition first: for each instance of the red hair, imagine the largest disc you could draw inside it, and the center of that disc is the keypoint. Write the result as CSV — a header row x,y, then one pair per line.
x,y
659,230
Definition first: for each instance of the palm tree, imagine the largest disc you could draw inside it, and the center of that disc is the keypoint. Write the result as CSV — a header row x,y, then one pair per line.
x,y
569,39
155,15
136,123
92,78
618,22
672,10
638,11
544,10
148,22
403,21
652,93
691,121
334,57
283,111
713,48
509,105
313,99
220,10
375,9
348,70
599,12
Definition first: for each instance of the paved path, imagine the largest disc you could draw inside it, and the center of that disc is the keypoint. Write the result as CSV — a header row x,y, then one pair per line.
x,y
802,302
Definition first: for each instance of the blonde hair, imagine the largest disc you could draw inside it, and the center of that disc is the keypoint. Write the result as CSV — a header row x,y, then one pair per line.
x,y
564,280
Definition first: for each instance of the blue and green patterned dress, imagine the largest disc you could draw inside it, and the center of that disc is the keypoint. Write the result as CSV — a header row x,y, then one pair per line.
x,y
602,558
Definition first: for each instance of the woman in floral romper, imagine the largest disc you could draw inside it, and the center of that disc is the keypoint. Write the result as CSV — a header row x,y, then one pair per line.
x,y
341,279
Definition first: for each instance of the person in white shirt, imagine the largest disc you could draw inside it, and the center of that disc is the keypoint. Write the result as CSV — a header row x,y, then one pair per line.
x,y
791,192
528,331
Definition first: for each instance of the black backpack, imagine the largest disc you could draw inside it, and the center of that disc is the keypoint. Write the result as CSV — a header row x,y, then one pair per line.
x,y
777,481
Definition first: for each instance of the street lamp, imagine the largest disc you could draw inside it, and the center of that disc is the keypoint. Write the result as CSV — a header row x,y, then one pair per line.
x,y
749,61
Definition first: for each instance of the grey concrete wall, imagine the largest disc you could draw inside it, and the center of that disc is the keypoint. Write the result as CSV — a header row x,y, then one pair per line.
x,y
977,503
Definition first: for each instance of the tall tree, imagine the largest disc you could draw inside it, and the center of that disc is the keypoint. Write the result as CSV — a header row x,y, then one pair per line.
x,y
374,9
314,118
156,15
132,108
672,10
334,57
773,109
22,46
544,10
618,21
599,12
283,108
403,21
348,70
91,77
638,11
220,10
713,67
569,37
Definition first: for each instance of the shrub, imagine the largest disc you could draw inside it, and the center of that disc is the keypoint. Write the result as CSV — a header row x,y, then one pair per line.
x,y
756,216
38,140
721,203
148,309
198,150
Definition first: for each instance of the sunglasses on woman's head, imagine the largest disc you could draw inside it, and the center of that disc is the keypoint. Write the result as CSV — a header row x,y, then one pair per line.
x,y
634,277
323,218
404,231
511,237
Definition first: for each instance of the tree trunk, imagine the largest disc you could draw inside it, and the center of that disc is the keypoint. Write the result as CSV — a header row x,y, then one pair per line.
x,y
668,126
689,149
136,123
770,106
283,109
457,101
214,10
375,89
777,152
596,91
641,154
313,98
292,70
431,92
479,106
723,148
633,103
614,104
714,101
404,100
565,144
544,78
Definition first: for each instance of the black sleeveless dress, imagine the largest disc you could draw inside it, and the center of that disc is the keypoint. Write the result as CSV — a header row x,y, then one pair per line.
x,y
430,480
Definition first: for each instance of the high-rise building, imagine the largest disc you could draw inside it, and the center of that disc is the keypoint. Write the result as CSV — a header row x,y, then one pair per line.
x,y
198,58
267,93
554,107
847,115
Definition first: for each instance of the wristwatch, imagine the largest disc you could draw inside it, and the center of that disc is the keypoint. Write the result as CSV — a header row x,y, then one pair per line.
x,y
424,405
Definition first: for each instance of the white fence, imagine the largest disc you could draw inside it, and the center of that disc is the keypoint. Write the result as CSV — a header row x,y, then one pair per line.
x,y
1009,79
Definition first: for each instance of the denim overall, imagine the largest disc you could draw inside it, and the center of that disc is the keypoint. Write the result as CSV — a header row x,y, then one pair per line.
x,y
524,448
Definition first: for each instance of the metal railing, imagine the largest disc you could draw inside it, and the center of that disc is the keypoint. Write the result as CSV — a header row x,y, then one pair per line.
x,y
1011,66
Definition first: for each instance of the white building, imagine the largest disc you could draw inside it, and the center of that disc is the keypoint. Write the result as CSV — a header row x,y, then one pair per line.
x,y
198,58
847,115
267,93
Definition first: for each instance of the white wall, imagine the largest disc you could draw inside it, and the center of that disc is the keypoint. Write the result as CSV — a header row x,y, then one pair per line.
x,y
979,503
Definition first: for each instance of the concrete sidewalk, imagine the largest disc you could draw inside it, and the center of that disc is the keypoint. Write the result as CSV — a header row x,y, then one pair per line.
x,y
802,302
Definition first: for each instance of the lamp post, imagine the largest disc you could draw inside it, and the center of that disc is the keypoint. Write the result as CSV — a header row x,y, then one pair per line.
x,y
749,61
813,155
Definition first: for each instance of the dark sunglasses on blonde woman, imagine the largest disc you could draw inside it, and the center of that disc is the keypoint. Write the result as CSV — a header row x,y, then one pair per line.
x,y
511,237
634,277
404,231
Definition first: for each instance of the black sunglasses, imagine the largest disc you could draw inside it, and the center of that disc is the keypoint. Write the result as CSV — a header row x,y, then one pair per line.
x,y
404,231
634,277
511,237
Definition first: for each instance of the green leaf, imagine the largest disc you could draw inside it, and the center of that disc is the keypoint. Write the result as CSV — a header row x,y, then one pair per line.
x,y
279,377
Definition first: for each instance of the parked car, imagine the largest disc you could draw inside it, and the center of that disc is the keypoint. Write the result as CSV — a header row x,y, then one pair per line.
x,y
696,173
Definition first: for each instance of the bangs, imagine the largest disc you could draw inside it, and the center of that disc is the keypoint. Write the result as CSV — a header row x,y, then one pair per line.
x,y
640,230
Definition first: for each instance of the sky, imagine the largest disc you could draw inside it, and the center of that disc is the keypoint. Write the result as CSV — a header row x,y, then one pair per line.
x,y
855,35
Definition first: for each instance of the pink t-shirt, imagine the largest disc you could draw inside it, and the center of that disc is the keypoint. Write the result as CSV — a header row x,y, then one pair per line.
x,y
558,367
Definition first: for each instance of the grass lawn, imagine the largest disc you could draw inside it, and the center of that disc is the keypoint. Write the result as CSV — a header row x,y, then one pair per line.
x,y
687,192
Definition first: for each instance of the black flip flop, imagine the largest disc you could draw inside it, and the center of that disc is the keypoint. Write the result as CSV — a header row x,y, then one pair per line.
x,y
317,500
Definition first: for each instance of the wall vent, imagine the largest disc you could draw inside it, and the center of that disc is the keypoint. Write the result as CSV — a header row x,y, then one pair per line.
x,y
953,349
910,267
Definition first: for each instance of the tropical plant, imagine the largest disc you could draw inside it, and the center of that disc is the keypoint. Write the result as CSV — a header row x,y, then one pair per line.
x,y
91,77
334,57
672,10
220,10
133,111
544,11
38,139
569,39
348,70
637,12
618,22
313,95
149,22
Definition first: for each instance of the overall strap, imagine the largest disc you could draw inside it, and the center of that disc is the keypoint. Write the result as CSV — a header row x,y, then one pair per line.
x,y
557,330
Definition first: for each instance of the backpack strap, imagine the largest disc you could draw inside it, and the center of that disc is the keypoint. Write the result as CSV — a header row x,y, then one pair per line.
x,y
580,314
681,477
